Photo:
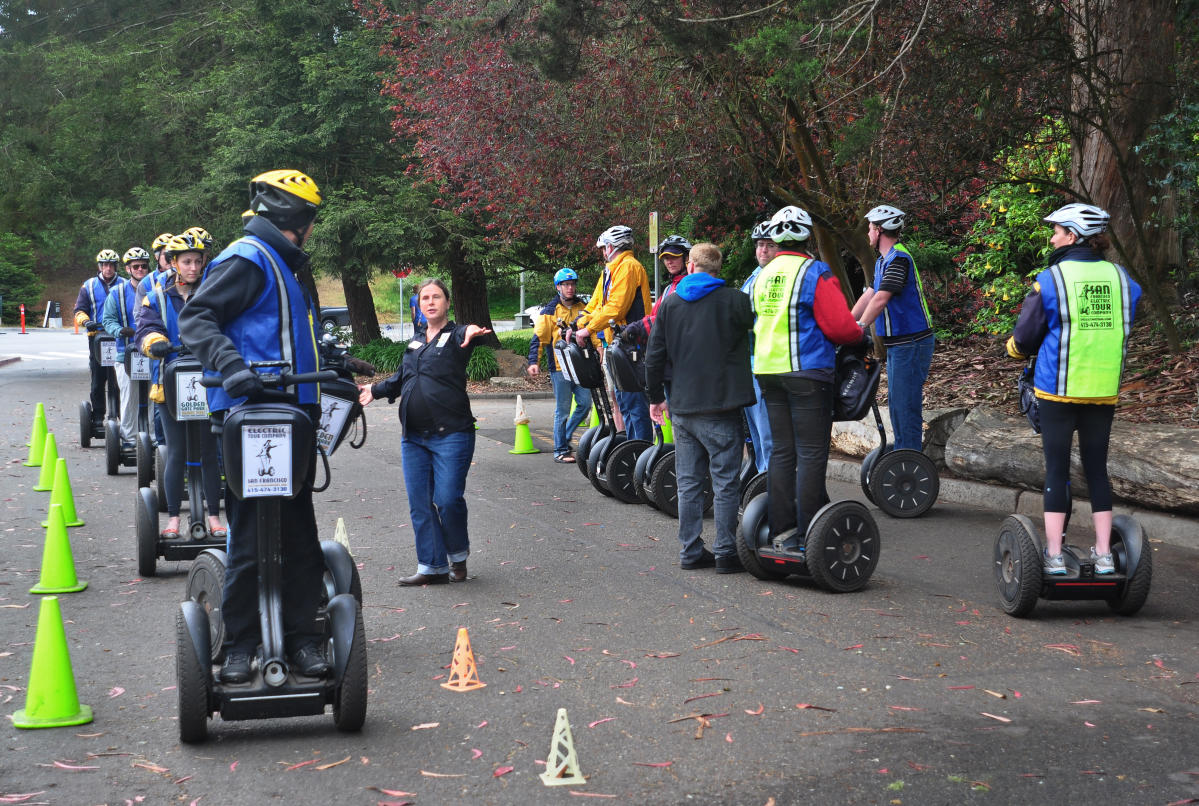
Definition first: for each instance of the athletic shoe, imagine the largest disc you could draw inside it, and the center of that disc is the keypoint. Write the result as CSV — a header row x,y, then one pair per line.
x,y
236,668
309,661
1103,562
1055,565
729,564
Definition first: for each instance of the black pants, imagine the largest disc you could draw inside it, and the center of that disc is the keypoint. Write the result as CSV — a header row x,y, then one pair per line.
x,y
99,391
800,411
1093,423
176,462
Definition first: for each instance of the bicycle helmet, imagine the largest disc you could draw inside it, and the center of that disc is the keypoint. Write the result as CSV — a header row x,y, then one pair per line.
x,y
286,198
565,275
107,256
161,241
618,236
761,231
1084,220
675,245
790,224
247,215
135,253
886,218
178,244
201,235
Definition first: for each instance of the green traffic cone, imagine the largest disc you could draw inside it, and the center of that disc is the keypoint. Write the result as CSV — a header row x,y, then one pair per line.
x,y
61,495
58,566
52,700
524,440
37,438
594,421
45,481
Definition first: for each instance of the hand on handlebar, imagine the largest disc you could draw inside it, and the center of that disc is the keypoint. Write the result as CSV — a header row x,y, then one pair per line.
x,y
160,349
127,332
243,383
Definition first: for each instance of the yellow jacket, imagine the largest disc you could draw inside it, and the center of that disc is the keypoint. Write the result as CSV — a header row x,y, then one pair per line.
x,y
545,328
621,295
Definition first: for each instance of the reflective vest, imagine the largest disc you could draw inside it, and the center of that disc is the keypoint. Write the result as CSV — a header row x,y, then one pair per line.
x,y
1089,305
97,292
126,295
277,326
786,336
906,312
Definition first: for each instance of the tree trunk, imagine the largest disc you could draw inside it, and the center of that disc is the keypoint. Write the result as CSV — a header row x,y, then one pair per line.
x,y
1124,81
468,290
364,319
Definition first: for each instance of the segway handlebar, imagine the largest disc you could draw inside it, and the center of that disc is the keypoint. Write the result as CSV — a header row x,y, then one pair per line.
x,y
280,380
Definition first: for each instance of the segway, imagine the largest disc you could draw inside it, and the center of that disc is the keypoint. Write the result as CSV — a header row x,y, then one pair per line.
x,y
581,365
117,454
187,399
103,348
626,368
840,549
902,483
274,691
643,470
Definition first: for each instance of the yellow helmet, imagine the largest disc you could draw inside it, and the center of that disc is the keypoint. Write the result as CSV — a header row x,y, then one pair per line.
x,y
287,198
135,253
200,235
107,256
247,215
178,244
160,241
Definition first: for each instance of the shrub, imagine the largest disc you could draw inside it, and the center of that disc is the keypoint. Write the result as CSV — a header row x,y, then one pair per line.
x,y
516,341
482,364
18,283
385,354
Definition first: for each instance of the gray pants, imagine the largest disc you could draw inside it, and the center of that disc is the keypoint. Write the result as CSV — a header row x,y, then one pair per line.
x,y
707,444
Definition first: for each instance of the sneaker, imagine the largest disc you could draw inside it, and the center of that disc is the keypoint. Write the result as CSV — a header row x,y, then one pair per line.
x,y
309,661
729,564
236,668
1103,562
705,560
787,541
1055,565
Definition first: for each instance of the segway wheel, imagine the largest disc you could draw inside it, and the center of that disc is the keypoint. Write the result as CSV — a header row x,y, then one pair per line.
x,y
112,447
193,683
645,463
756,486
85,424
621,467
145,459
206,587
867,467
1018,570
753,532
904,484
662,486
842,546
147,532
1128,542
583,451
597,464
349,703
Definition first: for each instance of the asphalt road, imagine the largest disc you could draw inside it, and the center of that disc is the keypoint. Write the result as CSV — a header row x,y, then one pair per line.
x,y
681,687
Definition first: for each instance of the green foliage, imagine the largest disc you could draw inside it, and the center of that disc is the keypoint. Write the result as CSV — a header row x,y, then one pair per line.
x,y
1172,147
18,283
516,341
385,354
482,364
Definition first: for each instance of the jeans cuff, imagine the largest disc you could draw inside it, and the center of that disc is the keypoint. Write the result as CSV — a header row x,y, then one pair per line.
x,y
429,570
458,556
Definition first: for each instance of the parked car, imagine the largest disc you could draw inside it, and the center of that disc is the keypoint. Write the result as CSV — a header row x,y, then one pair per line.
x,y
334,317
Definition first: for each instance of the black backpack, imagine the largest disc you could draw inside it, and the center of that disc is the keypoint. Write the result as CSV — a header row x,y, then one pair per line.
x,y
1029,404
856,381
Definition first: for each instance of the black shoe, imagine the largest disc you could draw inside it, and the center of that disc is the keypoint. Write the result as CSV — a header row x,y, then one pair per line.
x,y
309,661
458,572
730,564
236,668
706,560
424,579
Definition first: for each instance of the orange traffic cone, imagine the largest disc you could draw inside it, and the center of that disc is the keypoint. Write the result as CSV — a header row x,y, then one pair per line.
x,y
45,481
562,764
52,700
464,674
58,566
61,495
37,438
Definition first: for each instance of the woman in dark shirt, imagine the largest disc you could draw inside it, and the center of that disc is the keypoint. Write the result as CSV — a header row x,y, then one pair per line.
x,y
439,436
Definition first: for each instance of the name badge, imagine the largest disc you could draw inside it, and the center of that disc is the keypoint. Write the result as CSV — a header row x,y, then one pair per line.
x,y
415,344
444,338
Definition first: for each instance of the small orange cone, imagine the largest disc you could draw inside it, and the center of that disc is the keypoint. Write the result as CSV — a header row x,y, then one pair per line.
x,y
37,438
58,566
464,674
61,495
562,764
45,481
52,700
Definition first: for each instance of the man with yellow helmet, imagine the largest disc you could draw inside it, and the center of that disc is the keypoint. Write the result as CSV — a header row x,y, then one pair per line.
x,y
251,307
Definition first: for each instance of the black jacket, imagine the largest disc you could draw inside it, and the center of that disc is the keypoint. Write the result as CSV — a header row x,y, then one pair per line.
x,y
438,370
707,342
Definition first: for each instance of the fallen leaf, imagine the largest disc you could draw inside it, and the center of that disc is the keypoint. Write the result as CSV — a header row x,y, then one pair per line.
x,y
855,646
1152,710
393,793
702,696
301,764
501,771
20,798
482,724
145,765
761,708
999,695
569,658
1088,724
1069,649
332,764
790,649
590,794
996,718
652,763
475,753
428,774
960,688
601,721
807,706
626,684
728,737
115,691
425,726
623,701
904,708
233,766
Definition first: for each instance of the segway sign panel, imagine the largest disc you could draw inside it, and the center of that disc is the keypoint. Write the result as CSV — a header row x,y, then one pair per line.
x,y
108,353
334,412
266,461
191,400
139,366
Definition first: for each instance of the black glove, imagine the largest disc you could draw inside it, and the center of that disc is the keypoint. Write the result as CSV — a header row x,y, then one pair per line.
x,y
243,383
127,332
91,325
159,349
359,367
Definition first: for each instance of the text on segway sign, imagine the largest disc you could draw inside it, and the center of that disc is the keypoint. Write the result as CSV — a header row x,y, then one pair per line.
x,y
334,412
191,399
266,461
139,367
108,353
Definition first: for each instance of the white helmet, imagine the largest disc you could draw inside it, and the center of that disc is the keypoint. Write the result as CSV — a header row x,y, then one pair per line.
x,y
1084,220
790,224
761,231
618,236
886,217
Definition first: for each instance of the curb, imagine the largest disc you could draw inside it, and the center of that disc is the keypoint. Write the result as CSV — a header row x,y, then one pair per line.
x,y
512,395
1178,530
5,360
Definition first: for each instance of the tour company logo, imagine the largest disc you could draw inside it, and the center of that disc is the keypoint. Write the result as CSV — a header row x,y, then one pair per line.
x,y
266,461
191,401
1095,305
334,412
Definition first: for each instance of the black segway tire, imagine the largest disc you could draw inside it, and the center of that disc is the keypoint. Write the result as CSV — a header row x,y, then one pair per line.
x,y
596,464
842,546
1126,533
1018,568
112,447
867,467
193,681
145,459
641,471
147,532
756,486
621,467
206,587
85,424
663,487
583,450
349,700
753,531
904,484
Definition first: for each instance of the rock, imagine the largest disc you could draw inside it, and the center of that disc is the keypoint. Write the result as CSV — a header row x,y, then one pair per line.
x,y
512,383
860,437
1150,465
939,424
511,364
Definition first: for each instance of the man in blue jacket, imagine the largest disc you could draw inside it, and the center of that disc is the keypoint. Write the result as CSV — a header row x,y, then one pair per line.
x,y
703,330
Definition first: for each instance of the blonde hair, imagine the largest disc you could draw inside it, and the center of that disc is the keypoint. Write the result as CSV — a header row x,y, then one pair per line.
x,y
707,258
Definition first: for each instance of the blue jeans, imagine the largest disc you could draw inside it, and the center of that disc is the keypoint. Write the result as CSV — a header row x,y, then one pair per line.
x,y
435,468
759,429
565,423
707,444
907,370
635,410
801,420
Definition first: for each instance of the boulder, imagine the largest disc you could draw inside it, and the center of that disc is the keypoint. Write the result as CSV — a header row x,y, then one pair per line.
x,y
939,424
860,437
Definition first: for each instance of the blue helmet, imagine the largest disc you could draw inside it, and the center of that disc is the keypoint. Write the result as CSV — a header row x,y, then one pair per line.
x,y
565,275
